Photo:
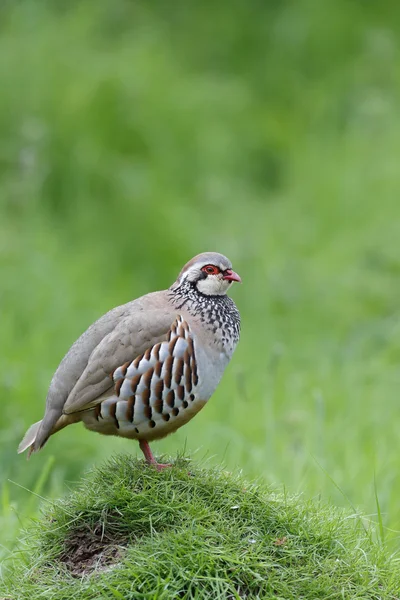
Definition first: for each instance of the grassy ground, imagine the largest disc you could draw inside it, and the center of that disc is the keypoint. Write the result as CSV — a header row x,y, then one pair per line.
x,y
133,533
134,137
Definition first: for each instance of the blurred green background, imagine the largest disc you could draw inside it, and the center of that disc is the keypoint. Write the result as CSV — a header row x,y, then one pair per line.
x,y
134,135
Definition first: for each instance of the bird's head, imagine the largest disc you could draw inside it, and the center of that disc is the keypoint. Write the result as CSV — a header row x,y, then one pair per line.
x,y
211,273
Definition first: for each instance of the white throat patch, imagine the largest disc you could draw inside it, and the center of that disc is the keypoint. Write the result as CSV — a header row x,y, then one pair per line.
x,y
213,285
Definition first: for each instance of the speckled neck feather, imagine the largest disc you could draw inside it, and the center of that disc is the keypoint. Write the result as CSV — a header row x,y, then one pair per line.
x,y
218,313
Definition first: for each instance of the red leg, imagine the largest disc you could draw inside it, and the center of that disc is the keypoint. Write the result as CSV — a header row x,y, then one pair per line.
x,y
145,448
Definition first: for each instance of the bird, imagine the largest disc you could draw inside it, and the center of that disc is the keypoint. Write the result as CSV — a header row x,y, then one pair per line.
x,y
147,367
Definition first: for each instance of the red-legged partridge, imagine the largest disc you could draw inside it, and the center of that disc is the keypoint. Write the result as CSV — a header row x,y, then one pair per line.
x,y
146,368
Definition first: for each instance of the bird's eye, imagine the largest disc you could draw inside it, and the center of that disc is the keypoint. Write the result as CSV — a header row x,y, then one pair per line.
x,y
211,270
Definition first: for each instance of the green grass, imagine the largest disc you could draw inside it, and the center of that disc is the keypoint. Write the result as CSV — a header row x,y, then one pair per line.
x,y
133,533
133,136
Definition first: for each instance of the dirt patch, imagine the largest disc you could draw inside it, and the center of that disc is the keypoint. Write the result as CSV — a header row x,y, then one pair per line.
x,y
87,550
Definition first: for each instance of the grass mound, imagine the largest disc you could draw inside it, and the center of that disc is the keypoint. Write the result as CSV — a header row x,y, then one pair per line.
x,y
130,532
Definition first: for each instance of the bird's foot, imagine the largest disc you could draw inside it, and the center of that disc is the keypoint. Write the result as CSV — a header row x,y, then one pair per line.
x,y
161,466
145,448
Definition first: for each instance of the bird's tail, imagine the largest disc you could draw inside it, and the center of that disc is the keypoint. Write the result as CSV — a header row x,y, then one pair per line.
x,y
29,438
38,433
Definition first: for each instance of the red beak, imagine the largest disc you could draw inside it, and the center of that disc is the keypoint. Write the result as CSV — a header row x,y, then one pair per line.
x,y
230,275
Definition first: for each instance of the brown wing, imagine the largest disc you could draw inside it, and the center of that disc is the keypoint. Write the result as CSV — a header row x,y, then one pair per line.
x,y
130,339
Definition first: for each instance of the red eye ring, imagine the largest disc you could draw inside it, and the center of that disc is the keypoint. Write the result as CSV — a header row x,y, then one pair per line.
x,y
211,270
